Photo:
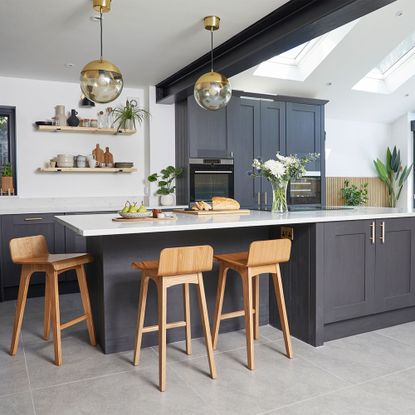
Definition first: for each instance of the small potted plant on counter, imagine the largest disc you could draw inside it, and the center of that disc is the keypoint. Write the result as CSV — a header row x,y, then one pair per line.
x,y
353,195
165,181
127,117
7,185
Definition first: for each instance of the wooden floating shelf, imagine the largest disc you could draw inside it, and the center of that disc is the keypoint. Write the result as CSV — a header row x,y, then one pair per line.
x,y
86,170
85,130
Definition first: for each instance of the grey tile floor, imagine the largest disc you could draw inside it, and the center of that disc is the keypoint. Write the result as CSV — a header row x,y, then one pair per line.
x,y
372,373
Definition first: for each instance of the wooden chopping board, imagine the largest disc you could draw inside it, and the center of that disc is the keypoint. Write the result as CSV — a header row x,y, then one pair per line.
x,y
145,219
214,212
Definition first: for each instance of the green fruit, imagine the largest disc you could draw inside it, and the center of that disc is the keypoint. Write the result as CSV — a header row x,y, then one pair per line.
x,y
126,207
142,209
133,208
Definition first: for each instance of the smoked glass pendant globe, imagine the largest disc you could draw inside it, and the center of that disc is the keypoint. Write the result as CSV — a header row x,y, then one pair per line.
x,y
212,91
101,81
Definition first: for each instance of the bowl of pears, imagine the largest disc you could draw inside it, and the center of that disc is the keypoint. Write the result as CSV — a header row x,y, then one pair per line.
x,y
132,211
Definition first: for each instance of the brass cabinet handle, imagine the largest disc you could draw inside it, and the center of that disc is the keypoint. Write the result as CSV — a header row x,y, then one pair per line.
x,y
382,232
259,199
32,219
373,232
266,198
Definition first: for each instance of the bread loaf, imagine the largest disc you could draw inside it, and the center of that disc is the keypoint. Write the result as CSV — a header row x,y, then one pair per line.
x,y
224,203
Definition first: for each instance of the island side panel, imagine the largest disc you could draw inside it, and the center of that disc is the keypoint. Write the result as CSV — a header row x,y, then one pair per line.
x,y
116,299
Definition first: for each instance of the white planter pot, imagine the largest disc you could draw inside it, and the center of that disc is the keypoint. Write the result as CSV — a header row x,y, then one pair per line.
x,y
167,200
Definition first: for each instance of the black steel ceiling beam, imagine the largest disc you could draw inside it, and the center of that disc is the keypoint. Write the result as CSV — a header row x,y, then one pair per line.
x,y
294,23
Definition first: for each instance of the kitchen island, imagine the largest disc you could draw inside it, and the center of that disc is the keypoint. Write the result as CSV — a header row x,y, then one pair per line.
x,y
351,270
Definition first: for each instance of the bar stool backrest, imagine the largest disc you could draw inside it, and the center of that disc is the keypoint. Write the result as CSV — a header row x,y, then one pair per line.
x,y
269,252
185,260
28,247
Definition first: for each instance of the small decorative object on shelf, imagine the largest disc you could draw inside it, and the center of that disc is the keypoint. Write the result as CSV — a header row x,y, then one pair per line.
x,y
109,118
353,195
127,116
279,172
60,116
164,181
393,174
73,120
108,158
101,120
92,163
80,161
7,186
98,154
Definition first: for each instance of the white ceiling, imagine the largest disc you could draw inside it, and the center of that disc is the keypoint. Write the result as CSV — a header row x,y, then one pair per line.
x,y
148,40
372,38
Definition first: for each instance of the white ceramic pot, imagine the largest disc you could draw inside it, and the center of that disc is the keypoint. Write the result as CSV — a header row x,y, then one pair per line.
x,y
167,200
91,161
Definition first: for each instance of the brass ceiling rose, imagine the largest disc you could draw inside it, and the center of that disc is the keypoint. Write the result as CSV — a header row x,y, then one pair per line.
x,y
212,90
101,80
102,5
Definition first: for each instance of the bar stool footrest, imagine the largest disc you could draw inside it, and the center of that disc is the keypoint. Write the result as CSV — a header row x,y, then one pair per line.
x,y
73,322
172,325
234,314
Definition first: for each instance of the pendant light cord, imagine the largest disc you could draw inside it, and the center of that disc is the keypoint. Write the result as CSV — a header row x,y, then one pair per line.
x,y
211,49
100,25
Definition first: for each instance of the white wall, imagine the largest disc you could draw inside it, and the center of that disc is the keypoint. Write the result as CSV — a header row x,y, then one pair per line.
x,y
35,100
351,147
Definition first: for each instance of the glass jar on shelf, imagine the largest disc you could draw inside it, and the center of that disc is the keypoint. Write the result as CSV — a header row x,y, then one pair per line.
x,y
101,120
109,115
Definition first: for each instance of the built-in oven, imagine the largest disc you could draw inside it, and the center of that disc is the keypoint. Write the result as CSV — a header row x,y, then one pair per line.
x,y
305,191
211,177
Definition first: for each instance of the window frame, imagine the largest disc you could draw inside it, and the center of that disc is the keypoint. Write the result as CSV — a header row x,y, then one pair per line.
x,y
10,112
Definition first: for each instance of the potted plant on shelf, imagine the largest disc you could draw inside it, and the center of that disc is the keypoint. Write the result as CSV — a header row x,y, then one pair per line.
x,y
129,115
7,185
353,195
279,172
165,181
393,174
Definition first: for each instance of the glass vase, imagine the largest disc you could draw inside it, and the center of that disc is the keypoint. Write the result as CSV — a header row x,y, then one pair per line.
x,y
279,196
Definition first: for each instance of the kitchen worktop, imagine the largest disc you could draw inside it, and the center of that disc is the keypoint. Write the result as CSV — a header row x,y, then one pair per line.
x,y
14,205
102,224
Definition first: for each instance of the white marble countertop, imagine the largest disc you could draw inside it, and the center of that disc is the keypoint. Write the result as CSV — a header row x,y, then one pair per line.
x,y
14,205
102,224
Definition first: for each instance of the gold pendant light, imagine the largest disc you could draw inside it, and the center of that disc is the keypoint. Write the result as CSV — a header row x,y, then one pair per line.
x,y
212,90
101,80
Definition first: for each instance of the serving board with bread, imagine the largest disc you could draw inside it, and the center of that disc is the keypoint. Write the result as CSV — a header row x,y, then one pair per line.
x,y
219,206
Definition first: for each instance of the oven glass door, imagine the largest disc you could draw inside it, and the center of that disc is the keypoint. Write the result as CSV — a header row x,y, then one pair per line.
x,y
208,183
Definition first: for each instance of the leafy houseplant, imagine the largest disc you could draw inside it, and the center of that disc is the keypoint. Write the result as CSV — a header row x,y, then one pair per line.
x,y
7,178
279,172
353,195
127,116
165,184
393,174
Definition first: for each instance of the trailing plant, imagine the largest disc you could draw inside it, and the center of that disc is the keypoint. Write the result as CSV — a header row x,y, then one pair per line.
x,y
130,111
165,179
353,195
7,170
393,174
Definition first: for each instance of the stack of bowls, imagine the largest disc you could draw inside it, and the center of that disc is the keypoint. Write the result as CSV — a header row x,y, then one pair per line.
x,y
65,160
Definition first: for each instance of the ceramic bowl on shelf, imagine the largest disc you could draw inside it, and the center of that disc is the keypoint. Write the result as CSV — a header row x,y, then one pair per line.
x,y
135,215
65,160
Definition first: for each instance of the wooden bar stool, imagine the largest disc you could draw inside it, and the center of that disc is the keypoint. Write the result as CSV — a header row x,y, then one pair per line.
x,y
263,257
32,253
176,266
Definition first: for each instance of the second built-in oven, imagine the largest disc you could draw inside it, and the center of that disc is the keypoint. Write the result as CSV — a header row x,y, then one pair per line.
x,y
211,177
305,191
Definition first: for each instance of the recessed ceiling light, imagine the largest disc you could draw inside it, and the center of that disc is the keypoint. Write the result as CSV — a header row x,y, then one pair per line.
x,y
329,83
406,95
399,13
68,65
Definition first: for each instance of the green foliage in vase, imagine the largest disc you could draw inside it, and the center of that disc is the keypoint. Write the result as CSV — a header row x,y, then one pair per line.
x,y
353,195
7,170
165,179
393,174
130,111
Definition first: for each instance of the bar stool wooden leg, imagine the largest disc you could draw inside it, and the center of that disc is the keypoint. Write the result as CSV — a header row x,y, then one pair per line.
x,y
20,306
83,288
220,293
56,319
255,281
47,314
205,324
186,300
249,323
279,293
162,317
141,317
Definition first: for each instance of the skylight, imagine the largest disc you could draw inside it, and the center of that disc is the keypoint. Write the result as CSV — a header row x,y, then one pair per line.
x,y
393,71
298,63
